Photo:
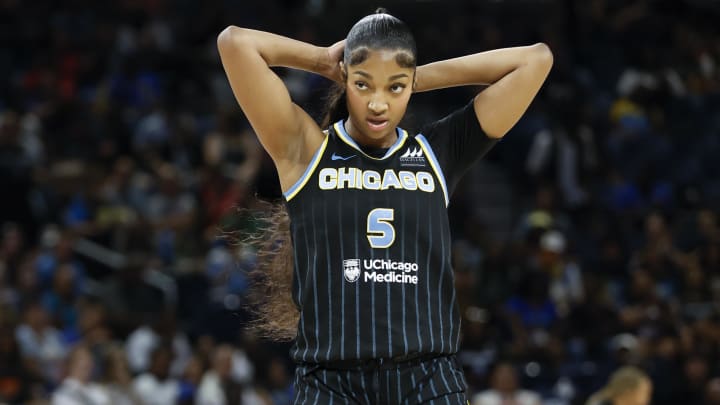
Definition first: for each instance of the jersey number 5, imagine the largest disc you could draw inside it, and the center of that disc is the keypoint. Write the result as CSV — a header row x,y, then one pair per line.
x,y
380,232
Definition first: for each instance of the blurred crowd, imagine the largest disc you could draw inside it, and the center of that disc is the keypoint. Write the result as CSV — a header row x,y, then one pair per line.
x,y
125,163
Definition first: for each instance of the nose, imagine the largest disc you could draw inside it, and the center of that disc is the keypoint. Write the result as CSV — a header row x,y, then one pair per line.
x,y
377,106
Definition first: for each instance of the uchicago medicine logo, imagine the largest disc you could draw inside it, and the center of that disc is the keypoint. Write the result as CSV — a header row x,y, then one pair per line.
x,y
352,269
380,271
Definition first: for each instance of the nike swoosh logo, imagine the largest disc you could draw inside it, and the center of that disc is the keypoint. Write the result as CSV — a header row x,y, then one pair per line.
x,y
338,157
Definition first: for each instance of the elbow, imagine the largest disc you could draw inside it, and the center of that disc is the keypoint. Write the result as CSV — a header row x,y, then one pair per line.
x,y
230,37
541,56
225,36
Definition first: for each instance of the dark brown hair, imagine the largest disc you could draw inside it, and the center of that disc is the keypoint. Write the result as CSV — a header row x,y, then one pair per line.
x,y
275,313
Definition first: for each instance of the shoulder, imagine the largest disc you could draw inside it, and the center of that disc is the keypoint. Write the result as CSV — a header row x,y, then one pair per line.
x,y
210,384
145,384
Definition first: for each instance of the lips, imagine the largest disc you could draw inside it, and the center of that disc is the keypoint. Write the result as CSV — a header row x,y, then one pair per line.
x,y
377,124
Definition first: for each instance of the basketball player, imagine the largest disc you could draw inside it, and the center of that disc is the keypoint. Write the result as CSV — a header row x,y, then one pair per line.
x,y
376,320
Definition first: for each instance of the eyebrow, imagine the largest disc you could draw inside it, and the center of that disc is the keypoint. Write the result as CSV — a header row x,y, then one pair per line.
x,y
369,76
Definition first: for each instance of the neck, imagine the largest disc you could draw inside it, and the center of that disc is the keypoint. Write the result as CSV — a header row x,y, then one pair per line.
x,y
386,140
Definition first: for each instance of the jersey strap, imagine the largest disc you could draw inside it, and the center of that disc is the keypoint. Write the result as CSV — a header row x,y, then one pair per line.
x,y
434,164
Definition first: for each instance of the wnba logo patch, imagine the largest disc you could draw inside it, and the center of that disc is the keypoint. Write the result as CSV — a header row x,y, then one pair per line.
x,y
412,157
352,269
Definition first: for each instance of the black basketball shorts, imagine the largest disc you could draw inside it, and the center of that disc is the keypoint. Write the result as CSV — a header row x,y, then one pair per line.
x,y
435,380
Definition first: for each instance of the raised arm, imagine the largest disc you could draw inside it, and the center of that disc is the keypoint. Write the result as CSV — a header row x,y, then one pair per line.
x,y
284,129
514,76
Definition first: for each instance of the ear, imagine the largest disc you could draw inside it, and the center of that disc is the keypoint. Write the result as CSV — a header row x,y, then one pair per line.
x,y
343,71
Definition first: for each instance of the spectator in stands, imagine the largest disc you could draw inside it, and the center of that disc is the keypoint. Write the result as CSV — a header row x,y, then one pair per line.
x,y
279,383
15,380
190,380
145,339
58,251
121,196
8,294
170,210
545,214
627,386
133,296
27,283
116,378
565,275
41,345
696,373
712,392
218,385
77,387
11,248
530,307
60,301
156,386
505,389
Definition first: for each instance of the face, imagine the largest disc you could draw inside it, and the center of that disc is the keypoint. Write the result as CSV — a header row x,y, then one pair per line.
x,y
117,366
639,396
504,379
194,370
37,318
82,365
378,91
223,361
64,279
161,363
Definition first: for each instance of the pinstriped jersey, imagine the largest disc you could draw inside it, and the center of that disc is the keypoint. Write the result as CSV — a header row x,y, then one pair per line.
x,y
371,239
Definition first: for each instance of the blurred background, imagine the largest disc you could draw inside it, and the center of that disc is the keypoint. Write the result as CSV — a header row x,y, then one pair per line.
x,y
587,239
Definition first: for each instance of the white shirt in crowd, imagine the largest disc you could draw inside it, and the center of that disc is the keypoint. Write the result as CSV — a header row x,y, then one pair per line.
x,y
45,347
519,397
143,340
210,392
74,392
154,392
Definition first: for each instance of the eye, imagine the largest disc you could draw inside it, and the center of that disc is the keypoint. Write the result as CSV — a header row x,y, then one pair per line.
x,y
361,85
397,88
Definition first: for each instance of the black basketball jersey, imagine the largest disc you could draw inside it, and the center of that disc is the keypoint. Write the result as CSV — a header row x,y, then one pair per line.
x,y
371,239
